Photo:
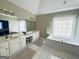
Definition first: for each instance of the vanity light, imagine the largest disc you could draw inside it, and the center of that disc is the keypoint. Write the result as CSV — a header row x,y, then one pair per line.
x,y
3,9
6,11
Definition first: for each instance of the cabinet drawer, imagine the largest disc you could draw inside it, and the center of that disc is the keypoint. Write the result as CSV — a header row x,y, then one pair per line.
x,y
14,45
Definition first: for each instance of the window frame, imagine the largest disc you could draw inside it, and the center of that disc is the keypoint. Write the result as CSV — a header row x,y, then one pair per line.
x,y
74,28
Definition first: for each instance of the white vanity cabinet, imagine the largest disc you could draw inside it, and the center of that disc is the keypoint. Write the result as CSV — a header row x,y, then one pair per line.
x,y
35,36
4,49
14,45
23,41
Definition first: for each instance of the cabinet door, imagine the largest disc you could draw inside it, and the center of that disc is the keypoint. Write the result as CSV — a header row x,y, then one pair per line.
x,y
14,45
4,50
23,41
35,36
18,45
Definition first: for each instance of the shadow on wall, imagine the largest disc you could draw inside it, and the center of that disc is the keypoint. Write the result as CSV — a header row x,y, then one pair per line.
x,y
44,35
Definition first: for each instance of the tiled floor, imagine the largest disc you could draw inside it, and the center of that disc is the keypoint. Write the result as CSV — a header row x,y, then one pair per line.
x,y
27,53
34,47
44,54
39,42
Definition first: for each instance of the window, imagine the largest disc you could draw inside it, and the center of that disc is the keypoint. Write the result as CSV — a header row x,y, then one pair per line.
x,y
0,25
63,26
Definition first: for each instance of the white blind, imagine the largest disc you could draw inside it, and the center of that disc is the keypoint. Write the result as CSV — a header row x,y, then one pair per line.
x,y
62,26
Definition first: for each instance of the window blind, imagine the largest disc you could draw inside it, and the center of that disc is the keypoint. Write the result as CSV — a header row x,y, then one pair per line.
x,y
62,26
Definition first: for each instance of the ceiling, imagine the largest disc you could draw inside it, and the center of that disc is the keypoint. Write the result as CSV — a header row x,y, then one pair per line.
x,y
51,6
29,5
38,7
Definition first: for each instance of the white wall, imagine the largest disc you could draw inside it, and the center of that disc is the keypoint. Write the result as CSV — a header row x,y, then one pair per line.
x,y
22,26
13,25
29,5
50,6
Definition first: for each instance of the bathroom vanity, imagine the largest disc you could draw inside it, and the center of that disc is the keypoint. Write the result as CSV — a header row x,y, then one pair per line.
x,y
15,43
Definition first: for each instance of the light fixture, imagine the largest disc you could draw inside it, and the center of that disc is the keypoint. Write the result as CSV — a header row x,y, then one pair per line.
x,y
32,18
6,11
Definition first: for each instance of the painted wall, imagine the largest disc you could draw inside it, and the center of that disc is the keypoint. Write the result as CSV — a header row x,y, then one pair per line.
x,y
18,11
51,6
43,22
